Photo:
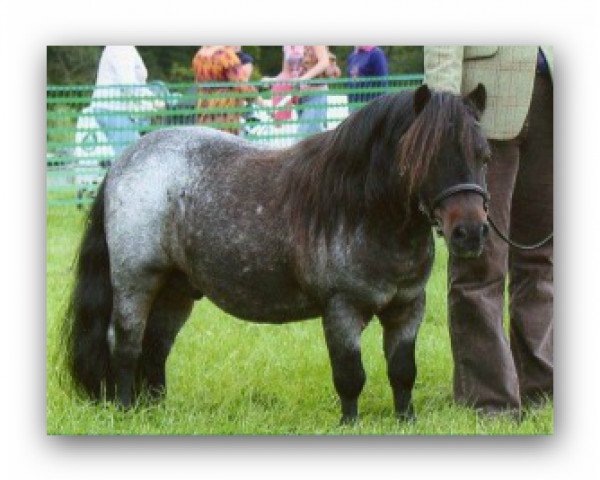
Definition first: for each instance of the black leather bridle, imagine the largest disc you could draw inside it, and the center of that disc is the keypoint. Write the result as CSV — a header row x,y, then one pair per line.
x,y
461,188
472,188
428,209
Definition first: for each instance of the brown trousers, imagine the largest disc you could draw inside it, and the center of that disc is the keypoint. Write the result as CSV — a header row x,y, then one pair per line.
x,y
492,373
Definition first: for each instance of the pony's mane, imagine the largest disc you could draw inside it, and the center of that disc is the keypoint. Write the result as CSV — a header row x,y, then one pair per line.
x,y
369,167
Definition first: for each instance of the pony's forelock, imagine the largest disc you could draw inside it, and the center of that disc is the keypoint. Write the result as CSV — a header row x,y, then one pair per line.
x,y
444,115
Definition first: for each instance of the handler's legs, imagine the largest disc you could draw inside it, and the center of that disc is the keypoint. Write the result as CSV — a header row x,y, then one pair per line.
x,y
484,372
531,271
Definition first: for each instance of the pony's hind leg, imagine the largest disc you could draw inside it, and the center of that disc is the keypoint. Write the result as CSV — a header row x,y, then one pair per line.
x,y
400,325
170,310
131,307
343,324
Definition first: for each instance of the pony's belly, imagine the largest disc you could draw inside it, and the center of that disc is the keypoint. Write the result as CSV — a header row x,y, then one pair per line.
x,y
260,293
254,305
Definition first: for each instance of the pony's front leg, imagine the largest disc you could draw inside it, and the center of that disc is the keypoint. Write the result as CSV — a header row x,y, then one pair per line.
x,y
400,325
342,324
131,307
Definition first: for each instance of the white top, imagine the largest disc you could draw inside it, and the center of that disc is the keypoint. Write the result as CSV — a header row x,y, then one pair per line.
x,y
122,73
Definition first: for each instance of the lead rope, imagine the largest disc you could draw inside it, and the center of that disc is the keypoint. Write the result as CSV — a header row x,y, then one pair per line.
x,y
475,188
515,244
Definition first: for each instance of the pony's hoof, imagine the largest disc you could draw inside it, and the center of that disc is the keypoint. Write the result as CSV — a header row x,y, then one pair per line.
x,y
348,420
156,393
157,396
123,407
124,403
406,416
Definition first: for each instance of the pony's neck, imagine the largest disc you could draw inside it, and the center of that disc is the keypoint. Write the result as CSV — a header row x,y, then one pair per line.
x,y
352,176
324,193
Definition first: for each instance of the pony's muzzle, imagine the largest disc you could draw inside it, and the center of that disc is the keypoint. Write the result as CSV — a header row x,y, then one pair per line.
x,y
467,238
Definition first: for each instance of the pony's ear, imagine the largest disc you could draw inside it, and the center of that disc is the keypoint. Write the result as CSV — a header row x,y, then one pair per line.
x,y
478,97
422,96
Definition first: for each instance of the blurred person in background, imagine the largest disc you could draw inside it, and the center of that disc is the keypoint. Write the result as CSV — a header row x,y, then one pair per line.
x,y
121,99
247,62
370,62
220,106
302,63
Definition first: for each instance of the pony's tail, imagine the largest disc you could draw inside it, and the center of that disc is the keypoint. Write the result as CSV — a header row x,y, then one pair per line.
x,y
90,306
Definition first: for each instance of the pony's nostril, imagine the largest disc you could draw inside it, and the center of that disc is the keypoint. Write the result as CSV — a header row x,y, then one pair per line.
x,y
459,233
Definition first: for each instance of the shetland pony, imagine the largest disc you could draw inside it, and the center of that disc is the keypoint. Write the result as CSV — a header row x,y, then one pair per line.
x,y
338,226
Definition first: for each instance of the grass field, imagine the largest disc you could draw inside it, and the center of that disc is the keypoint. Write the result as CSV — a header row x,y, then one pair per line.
x,y
227,377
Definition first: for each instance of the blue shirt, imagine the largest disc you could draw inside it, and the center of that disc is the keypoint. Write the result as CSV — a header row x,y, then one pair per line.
x,y
245,57
371,63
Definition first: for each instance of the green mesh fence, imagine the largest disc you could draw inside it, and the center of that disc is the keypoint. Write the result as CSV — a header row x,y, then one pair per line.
x,y
88,127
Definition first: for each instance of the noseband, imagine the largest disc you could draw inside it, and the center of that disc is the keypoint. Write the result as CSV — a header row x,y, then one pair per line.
x,y
472,188
447,193
461,188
